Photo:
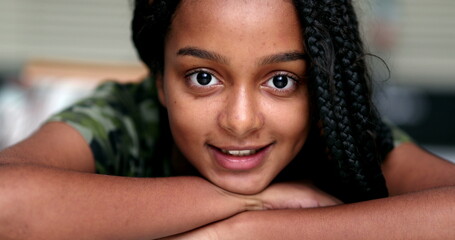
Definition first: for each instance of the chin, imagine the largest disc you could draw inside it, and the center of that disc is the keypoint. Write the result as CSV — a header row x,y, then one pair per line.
x,y
248,191
244,189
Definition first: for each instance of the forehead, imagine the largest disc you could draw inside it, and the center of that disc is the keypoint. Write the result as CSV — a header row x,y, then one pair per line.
x,y
237,19
241,7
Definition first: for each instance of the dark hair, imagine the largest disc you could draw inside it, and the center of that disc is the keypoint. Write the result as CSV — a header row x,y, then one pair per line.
x,y
350,141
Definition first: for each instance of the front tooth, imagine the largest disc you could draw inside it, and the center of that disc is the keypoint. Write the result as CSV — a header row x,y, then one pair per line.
x,y
245,152
234,152
239,152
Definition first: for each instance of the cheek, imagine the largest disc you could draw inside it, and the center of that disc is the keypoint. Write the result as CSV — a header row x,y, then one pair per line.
x,y
185,119
291,120
189,119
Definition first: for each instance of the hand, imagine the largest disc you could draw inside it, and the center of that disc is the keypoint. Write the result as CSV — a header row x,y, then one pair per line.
x,y
286,195
291,195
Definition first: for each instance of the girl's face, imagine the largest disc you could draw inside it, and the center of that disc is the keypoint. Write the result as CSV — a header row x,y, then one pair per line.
x,y
234,87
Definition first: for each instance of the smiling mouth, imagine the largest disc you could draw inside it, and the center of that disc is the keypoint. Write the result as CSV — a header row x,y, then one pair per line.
x,y
240,158
241,153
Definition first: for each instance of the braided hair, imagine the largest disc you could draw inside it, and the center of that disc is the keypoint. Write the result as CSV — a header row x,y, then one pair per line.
x,y
349,141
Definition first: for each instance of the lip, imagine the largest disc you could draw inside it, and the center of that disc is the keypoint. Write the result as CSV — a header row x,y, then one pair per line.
x,y
240,163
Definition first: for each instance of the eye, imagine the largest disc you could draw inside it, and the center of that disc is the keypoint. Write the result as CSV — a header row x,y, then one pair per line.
x,y
282,82
202,78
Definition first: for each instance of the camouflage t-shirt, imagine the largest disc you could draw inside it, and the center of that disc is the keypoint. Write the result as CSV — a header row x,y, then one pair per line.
x,y
121,123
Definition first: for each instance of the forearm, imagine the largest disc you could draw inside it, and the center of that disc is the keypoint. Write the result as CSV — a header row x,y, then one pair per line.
x,y
425,215
47,203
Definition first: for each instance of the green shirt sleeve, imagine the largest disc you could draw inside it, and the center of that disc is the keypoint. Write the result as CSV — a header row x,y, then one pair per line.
x,y
120,122
398,135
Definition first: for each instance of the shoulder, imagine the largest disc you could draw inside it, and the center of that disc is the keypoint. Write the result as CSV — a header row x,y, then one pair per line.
x,y
111,106
120,123
409,167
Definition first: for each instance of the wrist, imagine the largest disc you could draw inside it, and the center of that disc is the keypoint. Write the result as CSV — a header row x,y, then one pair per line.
x,y
243,202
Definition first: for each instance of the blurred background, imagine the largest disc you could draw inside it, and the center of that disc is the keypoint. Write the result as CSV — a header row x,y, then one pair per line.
x,y
53,52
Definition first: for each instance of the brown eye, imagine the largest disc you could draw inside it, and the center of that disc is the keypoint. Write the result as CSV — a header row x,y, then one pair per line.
x,y
280,81
201,78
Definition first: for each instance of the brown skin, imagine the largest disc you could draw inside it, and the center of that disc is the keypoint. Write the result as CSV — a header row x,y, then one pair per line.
x,y
48,189
410,168
241,108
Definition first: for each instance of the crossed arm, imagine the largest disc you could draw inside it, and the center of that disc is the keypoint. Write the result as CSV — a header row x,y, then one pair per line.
x,y
421,206
51,193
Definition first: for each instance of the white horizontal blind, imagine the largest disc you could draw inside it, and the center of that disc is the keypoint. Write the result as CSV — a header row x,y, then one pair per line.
x,y
65,29
426,49
99,30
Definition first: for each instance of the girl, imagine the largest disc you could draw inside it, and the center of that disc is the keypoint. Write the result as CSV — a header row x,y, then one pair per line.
x,y
269,109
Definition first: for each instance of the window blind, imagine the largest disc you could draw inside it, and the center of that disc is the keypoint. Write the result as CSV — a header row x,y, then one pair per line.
x,y
65,29
425,53
99,30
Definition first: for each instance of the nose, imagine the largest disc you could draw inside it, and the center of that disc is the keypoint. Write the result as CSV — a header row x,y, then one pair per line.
x,y
241,115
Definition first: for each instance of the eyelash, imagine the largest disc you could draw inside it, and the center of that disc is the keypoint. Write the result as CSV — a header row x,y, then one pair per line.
x,y
196,71
295,80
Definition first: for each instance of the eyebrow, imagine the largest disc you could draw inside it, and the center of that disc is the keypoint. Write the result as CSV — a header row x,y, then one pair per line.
x,y
212,56
204,54
283,57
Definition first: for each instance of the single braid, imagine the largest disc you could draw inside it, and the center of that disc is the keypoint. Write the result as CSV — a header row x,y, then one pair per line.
x,y
383,134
